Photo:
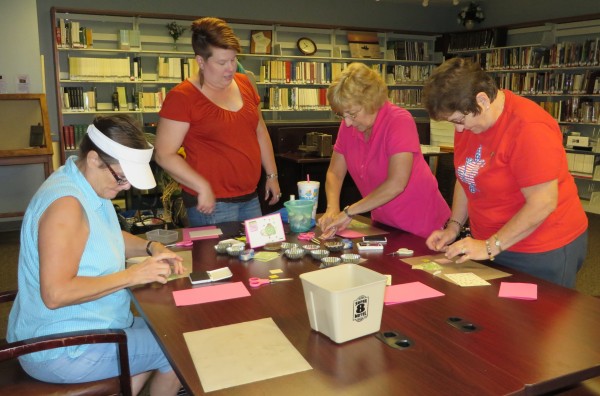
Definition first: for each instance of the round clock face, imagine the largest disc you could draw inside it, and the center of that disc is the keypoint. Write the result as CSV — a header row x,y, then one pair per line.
x,y
307,46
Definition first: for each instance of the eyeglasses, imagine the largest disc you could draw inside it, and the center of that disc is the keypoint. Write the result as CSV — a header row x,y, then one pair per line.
x,y
120,180
460,121
345,115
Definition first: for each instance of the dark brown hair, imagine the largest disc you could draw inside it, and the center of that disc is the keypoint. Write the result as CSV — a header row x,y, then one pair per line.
x,y
212,32
121,128
454,85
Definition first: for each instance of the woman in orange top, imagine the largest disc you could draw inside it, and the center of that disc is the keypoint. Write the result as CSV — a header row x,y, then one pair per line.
x,y
215,116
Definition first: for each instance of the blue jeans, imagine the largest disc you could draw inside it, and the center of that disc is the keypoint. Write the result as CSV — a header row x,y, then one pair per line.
x,y
558,266
225,212
99,361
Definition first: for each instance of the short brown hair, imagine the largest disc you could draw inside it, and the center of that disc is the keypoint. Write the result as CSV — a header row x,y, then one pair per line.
x,y
359,85
210,32
454,85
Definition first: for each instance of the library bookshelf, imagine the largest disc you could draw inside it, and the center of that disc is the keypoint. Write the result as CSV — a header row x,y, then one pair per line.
x,y
116,62
558,66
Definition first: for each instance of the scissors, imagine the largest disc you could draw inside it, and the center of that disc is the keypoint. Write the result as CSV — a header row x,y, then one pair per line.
x,y
306,236
256,282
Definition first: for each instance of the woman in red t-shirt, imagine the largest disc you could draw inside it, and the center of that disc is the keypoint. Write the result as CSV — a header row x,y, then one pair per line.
x,y
513,183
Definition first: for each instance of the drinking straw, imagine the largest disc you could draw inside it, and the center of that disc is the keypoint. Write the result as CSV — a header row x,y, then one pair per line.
x,y
307,177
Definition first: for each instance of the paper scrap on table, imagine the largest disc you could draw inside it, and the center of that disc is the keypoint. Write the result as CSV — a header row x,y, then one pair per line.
x,y
201,295
430,266
276,271
357,229
409,292
521,291
265,256
242,353
467,279
452,267
350,234
205,232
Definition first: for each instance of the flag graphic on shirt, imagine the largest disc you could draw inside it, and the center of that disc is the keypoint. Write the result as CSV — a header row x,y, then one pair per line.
x,y
470,169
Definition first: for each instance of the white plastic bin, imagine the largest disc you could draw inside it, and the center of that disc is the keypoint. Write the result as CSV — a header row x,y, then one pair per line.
x,y
344,302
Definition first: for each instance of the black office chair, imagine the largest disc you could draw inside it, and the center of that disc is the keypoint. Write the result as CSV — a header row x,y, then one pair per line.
x,y
15,381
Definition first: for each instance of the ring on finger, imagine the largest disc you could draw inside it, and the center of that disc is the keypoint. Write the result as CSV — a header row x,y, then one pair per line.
x,y
462,251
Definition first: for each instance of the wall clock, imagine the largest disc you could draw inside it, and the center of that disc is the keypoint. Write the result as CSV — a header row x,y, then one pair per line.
x,y
306,46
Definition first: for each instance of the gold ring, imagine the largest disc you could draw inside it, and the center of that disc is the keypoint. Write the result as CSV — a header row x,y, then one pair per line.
x,y
462,251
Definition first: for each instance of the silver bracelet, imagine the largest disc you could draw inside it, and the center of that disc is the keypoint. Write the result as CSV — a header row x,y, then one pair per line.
x,y
272,175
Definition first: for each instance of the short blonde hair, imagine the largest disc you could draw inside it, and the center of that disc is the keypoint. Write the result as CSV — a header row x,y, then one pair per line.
x,y
359,85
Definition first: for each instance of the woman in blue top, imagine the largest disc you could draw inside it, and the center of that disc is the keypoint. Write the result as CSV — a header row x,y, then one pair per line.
x,y
72,273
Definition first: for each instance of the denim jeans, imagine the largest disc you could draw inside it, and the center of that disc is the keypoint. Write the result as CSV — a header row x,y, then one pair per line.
x,y
225,212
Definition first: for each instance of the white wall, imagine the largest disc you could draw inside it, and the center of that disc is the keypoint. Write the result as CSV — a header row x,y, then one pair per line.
x,y
19,54
19,44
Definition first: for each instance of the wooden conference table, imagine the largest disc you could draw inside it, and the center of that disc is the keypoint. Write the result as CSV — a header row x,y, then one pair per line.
x,y
517,346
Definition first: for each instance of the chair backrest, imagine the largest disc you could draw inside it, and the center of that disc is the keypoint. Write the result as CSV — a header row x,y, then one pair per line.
x,y
14,380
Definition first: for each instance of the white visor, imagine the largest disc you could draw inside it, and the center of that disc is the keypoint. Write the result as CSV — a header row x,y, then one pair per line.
x,y
134,162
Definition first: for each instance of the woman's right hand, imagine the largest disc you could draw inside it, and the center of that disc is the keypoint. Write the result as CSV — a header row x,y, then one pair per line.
x,y
206,200
155,268
440,239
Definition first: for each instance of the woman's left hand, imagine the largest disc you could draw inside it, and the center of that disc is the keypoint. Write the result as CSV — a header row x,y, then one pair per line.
x,y
467,249
272,188
337,223
168,256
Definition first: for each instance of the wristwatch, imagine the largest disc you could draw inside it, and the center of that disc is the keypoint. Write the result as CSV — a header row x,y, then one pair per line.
x,y
346,211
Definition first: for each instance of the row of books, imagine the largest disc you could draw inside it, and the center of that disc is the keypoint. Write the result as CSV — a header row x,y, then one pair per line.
x,y
411,50
482,39
299,72
405,74
78,98
550,83
573,110
295,98
176,68
582,165
567,54
408,98
83,68
71,136
69,34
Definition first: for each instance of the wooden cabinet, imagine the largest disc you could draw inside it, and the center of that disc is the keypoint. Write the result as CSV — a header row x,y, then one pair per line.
x,y
25,149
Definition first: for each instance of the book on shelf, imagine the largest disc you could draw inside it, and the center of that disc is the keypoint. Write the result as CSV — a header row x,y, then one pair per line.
x,y
122,98
124,39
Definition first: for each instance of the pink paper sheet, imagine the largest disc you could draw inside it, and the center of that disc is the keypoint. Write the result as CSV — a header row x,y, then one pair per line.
x,y
409,292
205,294
521,291
350,234
186,233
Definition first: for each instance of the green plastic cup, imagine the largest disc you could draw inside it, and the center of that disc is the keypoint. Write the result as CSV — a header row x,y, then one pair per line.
x,y
299,214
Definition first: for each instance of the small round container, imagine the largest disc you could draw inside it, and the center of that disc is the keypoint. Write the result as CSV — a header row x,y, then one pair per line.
x,y
319,253
330,261
310,247
350,258
294,253
235,250
221,248
334,246
288,245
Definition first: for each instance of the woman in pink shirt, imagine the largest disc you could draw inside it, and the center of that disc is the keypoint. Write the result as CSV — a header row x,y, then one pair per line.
x,y
378,145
